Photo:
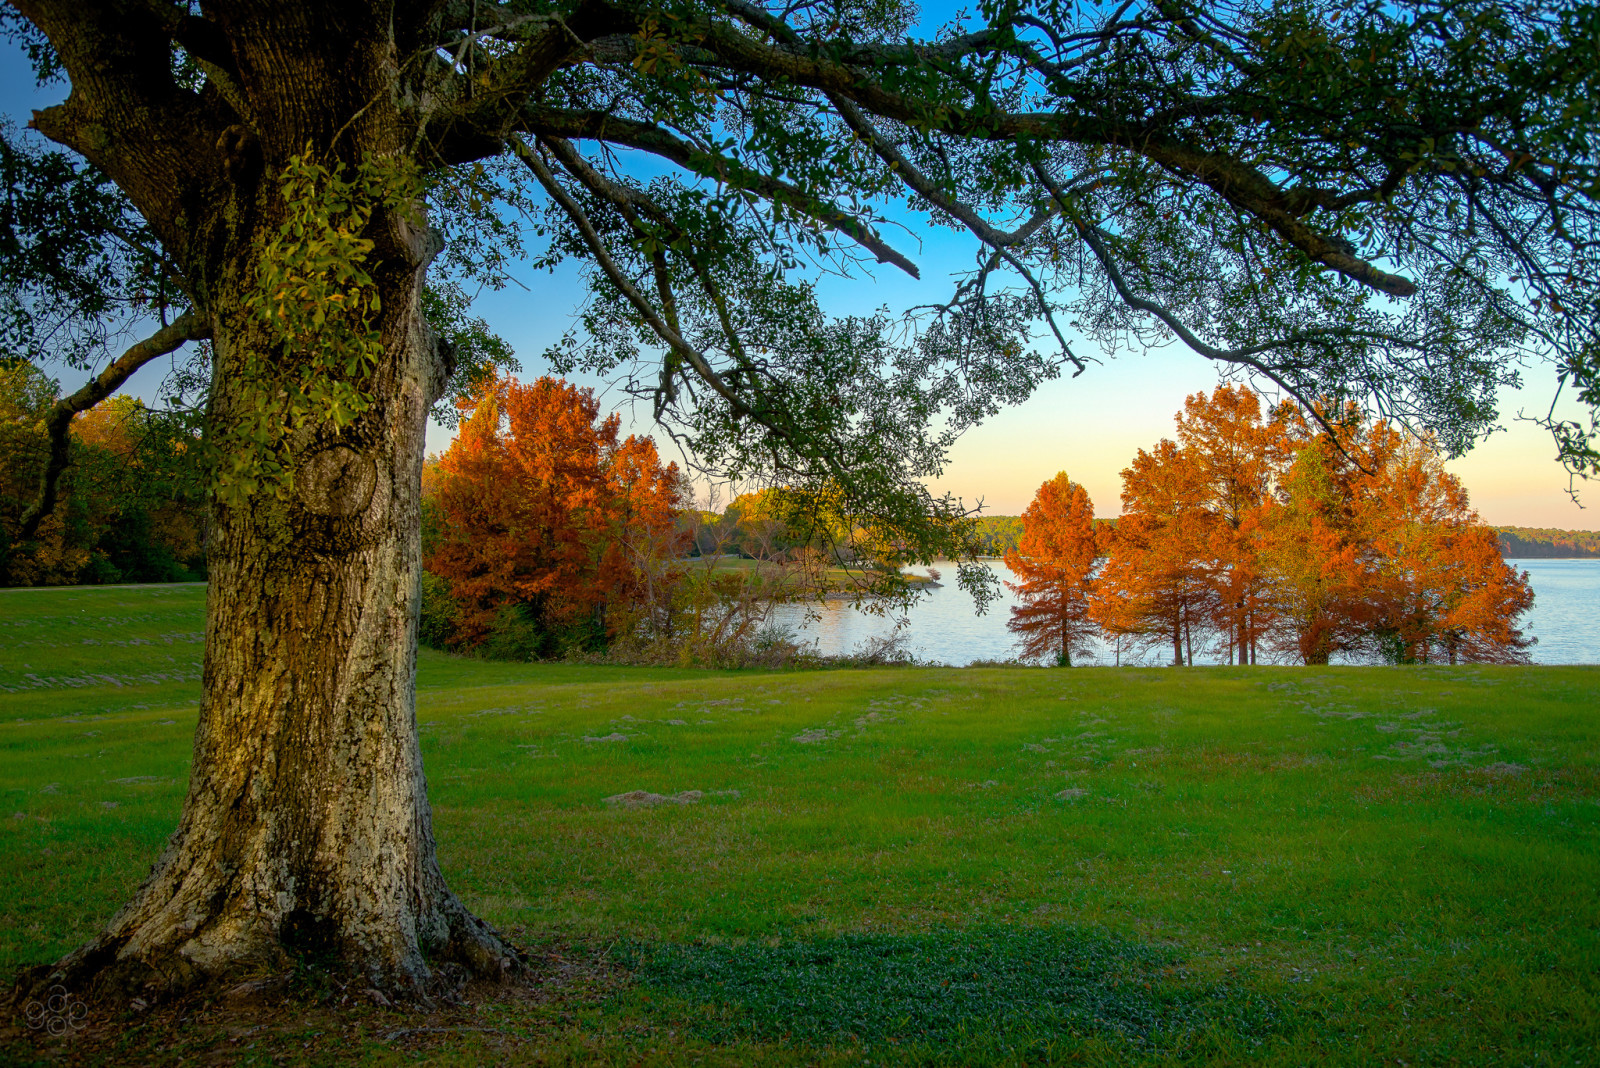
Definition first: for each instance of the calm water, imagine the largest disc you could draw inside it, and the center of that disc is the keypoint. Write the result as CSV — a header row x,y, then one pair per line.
x,y
943,626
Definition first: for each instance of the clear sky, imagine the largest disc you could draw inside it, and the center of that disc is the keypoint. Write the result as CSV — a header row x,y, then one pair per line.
x,y
1089,427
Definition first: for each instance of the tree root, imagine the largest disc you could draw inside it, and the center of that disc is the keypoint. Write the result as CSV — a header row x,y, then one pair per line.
x,y
107,971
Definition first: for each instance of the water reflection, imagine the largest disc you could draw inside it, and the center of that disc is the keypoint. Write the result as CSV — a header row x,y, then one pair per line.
x,y
944,628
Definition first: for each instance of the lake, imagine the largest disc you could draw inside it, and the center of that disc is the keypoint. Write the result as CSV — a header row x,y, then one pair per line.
x,y
943,628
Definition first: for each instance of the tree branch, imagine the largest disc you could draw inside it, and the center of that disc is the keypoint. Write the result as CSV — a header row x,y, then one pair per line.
x,y
601,126
190,326
126,113
875,55
614,273
1239,183
839,74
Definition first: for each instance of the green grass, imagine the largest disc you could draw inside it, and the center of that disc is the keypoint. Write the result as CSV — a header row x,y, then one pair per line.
x,y
757,571
1339,866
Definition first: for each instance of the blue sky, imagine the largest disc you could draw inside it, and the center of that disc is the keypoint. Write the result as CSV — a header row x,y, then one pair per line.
x,y
1089,427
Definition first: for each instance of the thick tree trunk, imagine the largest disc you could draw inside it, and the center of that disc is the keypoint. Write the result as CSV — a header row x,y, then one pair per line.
x,y
306,833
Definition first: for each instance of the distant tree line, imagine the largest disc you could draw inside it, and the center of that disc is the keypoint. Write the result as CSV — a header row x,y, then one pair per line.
x,y
131,503
1283,535
1000,534
1548,543
751,527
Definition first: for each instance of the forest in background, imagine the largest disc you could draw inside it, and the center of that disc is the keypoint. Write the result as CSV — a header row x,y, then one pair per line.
x,y
999,534
132,500
1548,543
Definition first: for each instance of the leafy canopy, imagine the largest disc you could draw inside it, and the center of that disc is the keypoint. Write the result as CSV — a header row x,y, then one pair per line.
x,y
1392,203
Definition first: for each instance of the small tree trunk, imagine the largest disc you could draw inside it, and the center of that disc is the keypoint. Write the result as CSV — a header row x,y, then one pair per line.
x,y
1314,645
306,832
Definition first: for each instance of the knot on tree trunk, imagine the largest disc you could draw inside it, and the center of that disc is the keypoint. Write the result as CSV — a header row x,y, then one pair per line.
x,y
335,513
337,481
240,152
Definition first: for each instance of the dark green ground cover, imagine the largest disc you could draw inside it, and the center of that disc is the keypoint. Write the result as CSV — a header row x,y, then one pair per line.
x,y
1001,989
1343,866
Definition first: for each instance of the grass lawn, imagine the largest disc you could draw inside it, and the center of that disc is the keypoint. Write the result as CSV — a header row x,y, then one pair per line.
x,y
1212,865
838,578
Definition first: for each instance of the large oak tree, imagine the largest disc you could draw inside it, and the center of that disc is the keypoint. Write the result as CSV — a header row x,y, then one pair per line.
x,y
1387,201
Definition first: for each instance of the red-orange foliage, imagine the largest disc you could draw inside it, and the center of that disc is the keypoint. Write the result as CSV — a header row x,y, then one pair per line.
x,y
1311,554
541,509
1055,559
1249,528
1487,597
1235,456
1436,586
1155,587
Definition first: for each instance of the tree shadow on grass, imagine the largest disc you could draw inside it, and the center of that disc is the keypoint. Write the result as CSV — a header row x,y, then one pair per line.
x,y
965,995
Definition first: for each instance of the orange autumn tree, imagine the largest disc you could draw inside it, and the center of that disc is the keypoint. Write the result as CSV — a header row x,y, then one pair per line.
x,y
1155,588
1236,457
549,530
1312,558
1352,540
1374,552
1055,561
1479,622
1183,567
645,527
1436,586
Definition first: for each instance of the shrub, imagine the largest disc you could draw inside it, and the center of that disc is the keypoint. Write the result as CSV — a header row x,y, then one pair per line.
x,y
436,625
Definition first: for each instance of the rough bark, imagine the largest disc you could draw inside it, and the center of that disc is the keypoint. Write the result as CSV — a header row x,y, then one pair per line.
x,y
306,832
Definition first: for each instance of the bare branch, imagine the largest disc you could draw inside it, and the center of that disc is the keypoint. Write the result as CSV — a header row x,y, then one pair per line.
x,y
190,326
551,122
614,273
